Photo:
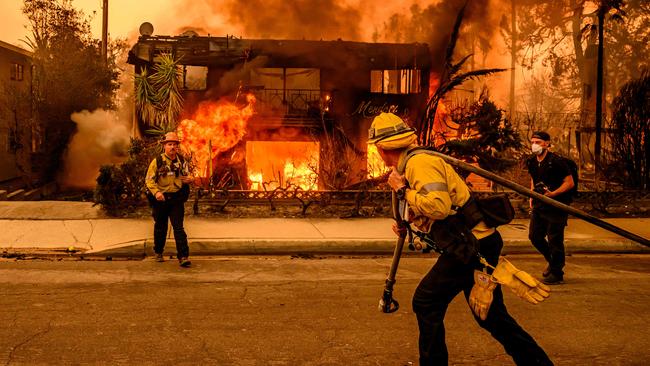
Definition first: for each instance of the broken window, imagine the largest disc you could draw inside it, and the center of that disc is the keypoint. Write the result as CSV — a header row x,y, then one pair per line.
x,y
195,77
17,72
294,90
404,81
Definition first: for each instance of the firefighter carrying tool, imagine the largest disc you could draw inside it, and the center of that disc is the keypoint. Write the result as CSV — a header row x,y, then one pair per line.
x,y
438,203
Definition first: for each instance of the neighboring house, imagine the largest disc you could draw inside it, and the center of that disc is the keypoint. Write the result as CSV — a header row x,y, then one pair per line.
x,y
18,135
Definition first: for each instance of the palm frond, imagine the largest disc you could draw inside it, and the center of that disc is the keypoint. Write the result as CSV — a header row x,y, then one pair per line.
x,y
456,67
449,54
158,96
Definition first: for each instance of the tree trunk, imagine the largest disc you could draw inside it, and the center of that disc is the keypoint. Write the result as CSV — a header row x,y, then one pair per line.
x,y
599,91
513,58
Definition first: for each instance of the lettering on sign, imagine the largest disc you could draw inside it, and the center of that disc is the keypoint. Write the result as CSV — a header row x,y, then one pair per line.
x,y
367,109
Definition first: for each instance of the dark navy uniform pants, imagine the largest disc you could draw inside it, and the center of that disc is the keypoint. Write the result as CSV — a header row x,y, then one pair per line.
x,y
172,209
546,232
448,277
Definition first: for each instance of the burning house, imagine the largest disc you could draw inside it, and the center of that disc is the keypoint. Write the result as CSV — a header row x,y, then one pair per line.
x,y
262,113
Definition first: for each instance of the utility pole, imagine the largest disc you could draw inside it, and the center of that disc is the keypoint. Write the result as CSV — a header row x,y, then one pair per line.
x,y
105,32
599,90
513,59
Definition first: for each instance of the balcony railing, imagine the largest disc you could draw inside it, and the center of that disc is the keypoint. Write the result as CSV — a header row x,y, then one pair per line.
x,y
288,102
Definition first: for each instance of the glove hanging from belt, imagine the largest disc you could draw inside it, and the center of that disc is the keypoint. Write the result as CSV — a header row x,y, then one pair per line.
x,y
480,298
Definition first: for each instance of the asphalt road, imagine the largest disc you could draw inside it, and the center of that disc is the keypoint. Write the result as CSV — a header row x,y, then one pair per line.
x,y
297,311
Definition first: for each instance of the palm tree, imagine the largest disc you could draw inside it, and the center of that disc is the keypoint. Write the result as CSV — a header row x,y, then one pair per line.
x,y
158,98
450,79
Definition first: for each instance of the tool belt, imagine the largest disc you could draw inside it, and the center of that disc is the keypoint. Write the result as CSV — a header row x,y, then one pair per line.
x,y
182,195
453,234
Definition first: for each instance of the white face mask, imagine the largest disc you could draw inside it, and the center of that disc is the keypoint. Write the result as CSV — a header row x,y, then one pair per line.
x,y
537,149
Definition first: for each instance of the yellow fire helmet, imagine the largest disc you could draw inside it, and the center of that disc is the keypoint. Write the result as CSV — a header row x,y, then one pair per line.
x,y
170,137
389,132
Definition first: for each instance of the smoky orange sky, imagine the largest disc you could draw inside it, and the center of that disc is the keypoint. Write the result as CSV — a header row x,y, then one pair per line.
x,y
169,16
356,20
427,21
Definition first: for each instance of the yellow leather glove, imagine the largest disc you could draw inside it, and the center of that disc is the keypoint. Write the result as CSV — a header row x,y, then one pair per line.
x,y
520,282
480,298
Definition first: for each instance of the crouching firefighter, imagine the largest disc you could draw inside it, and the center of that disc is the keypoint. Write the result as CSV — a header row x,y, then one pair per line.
x,y
441,208
168,189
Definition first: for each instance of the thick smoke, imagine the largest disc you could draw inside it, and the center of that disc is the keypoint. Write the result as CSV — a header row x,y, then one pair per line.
x,y
433,24
101,138
422,21
306,19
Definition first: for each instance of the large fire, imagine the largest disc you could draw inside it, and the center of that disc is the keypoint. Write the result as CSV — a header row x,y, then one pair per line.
x,y
215,127
375,166
282,164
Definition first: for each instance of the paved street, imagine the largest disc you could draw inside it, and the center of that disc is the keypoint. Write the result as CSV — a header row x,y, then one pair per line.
x,y
297,311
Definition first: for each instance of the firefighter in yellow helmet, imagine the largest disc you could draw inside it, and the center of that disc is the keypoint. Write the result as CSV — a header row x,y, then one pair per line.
x,y
436,197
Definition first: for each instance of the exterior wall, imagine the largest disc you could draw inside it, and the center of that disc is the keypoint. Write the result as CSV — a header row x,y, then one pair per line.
x,y
15,112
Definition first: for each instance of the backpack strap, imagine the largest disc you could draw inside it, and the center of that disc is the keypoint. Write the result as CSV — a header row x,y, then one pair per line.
x,y
160,162
401,168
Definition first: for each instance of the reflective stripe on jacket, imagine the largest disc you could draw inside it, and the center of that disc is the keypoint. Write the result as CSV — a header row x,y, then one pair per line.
x,y
434,188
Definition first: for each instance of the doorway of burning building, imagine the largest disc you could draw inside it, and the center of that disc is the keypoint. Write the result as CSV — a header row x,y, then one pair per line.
x,y
282,164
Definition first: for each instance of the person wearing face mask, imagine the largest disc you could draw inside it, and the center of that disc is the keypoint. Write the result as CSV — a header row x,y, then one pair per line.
x,y
550,176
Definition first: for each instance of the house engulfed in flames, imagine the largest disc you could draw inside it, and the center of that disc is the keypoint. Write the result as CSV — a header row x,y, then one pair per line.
x,y
263,114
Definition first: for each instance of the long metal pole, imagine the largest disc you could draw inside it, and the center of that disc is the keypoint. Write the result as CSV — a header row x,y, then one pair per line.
x,y
513,58
105,32
549,201
387,304
599,92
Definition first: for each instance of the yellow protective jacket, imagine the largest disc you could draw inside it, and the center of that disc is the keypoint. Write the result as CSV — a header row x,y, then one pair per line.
x,y
166,178
434,188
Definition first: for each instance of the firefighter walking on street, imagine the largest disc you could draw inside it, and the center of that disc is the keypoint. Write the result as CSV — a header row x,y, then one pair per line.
x,y
168,182
436,196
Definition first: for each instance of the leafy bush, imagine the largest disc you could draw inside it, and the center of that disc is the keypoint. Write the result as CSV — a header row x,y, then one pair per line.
x,y
631,136
120,187
487,136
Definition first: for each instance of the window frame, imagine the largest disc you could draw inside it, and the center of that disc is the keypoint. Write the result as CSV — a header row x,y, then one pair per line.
x,y
407,81
17,72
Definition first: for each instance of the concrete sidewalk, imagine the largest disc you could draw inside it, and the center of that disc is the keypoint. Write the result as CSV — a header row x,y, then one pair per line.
x,y
51,228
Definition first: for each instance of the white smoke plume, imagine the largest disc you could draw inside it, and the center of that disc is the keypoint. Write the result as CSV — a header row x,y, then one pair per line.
x,y
101,138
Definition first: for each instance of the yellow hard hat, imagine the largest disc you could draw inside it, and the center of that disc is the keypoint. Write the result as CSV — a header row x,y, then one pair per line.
x,y
170,137
388,127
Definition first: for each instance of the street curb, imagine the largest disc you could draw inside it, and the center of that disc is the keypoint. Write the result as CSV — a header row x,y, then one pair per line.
x,y
209,247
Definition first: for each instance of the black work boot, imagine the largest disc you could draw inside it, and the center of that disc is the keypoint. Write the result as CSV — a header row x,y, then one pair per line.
x,y
184,262
553,279
159,257
547,271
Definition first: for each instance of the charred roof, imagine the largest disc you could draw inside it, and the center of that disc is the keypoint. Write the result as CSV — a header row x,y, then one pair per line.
x,y
228,51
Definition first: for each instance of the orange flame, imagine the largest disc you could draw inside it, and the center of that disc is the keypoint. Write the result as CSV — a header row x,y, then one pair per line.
x,y
220,125
375,166
282,164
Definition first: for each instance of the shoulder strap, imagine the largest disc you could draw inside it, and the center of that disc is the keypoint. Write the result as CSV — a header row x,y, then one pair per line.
x,y
411,153
159,163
